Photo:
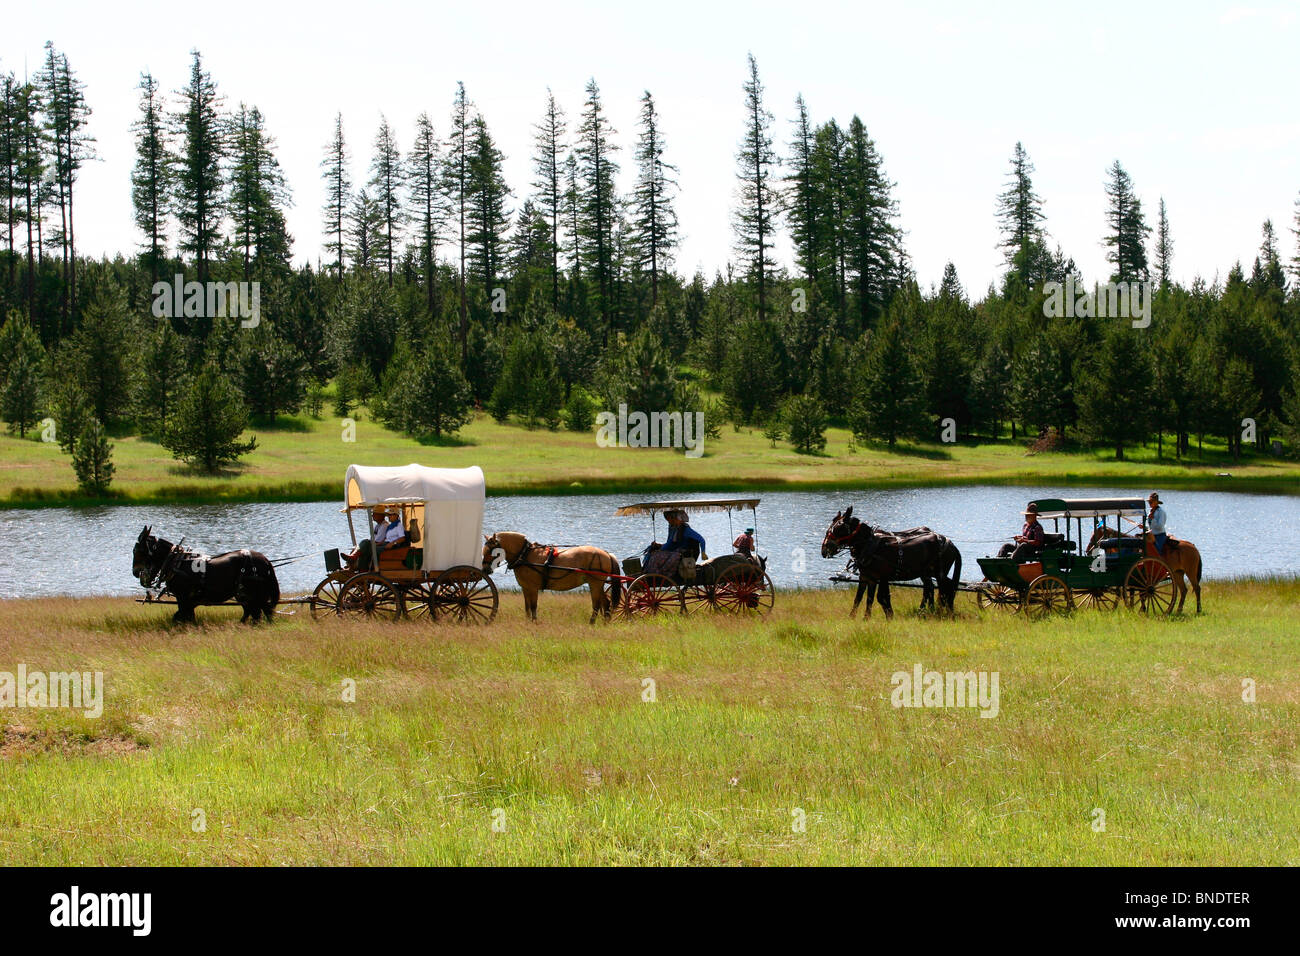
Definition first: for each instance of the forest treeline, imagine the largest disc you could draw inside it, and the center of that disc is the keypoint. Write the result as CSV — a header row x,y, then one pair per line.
x,y
441,288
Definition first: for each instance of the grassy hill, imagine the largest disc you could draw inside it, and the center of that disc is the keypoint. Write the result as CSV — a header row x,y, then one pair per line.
x,y
304,459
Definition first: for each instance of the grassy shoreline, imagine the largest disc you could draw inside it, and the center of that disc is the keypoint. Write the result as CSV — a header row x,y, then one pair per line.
x,y
304,460
545,728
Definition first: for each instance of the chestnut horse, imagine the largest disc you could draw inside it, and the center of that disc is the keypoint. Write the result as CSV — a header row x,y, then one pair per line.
x,y
1182,556
544,567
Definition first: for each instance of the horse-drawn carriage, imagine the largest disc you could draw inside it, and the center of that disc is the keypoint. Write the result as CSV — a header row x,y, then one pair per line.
x,y
1113,567
734,583
436,572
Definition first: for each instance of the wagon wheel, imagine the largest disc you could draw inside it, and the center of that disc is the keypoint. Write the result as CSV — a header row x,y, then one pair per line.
x,y
651,593
465,595
744,590
371,595
421,601
1097,599
1001,597
700,596
324,600
1047,595
1149,587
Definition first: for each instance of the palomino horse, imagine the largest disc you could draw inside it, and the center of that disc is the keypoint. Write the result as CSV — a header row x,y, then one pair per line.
x,y
881,557
544,567
1182,556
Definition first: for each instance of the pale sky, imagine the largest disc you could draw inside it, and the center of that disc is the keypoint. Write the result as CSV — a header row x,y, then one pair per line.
x,y
1198,101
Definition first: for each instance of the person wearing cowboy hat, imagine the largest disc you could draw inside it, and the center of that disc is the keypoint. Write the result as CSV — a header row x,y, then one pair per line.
x,y
1030,540
744,543
388,533
1156,522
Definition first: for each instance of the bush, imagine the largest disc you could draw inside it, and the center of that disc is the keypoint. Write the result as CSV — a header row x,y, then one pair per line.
x,y
805,422
580,410
92,460
208,423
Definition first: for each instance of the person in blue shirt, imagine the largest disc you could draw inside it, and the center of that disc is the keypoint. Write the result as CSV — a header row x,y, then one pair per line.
x,y
1156,522
682,537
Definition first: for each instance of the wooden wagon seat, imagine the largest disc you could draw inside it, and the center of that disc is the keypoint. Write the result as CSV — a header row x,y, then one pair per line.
x,y
396,557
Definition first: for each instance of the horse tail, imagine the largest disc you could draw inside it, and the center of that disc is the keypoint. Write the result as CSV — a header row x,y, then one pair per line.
x,y
272,590
615,584
1198,567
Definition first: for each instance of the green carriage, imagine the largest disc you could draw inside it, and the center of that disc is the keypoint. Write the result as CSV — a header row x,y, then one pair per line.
x,y
1122,568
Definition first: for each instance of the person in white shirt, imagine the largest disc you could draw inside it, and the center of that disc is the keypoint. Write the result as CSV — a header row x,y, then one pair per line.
x,y
1156,522
388,533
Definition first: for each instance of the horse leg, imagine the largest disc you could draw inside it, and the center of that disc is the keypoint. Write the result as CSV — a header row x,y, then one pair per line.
x,y
530,605
597,601
885,601
1196,584
862,586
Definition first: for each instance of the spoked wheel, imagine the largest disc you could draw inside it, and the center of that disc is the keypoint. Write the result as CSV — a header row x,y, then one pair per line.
x,y
698,597
1047,596
1000,597
371,595
1097,599
1149,587
325,599
745,590
421,601
651,593
465,595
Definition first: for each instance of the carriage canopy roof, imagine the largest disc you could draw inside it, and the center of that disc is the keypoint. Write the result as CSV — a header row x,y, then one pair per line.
x,y
441,508
1088,507
697,505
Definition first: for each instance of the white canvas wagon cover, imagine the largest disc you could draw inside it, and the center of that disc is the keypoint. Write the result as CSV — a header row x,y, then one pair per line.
x,y
442,507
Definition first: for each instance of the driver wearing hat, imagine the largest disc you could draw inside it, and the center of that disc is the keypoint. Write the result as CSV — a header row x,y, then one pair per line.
x,y
1030,540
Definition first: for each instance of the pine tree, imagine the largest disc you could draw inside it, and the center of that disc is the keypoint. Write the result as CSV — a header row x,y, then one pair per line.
x,y
29,171
456,179
1164,246
365,226
549,147
654,220
1115,396
801,211
488,216
258,193
890,403
67,118
97,356
871,237
597,201
428,210
1020,213
338,189
92,460
386,185
20,390
805,423
1128,229
160,379
151,179
9,153
754,218
198,183
209,421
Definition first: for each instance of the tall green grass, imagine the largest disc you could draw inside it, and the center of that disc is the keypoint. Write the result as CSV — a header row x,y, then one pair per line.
x,y
543,730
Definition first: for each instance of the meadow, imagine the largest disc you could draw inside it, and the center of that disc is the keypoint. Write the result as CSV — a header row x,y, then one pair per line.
x,y
758,743
304,459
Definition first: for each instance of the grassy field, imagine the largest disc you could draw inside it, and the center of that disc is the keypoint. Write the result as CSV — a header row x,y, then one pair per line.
x,y
305,459
543,729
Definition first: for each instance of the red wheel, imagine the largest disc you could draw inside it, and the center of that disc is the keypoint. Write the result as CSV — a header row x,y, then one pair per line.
x,y
1149,587
745,589
651,593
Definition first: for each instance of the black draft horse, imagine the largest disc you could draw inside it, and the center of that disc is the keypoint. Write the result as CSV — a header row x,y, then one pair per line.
x,y
880,557
195,579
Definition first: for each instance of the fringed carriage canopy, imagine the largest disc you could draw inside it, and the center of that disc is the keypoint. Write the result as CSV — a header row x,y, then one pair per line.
x,y
691,506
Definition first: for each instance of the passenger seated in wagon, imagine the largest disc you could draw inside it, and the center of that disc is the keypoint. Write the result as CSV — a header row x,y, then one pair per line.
x,y
1029,543
683,542
389,535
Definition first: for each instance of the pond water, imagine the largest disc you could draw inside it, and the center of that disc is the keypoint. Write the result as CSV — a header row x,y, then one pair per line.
x,y
87,551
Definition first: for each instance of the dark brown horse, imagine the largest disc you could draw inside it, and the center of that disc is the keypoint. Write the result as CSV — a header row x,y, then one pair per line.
x,y
196,579
542,567
881,557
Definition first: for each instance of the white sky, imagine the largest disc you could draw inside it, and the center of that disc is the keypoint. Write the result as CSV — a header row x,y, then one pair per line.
x,y
1196,100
